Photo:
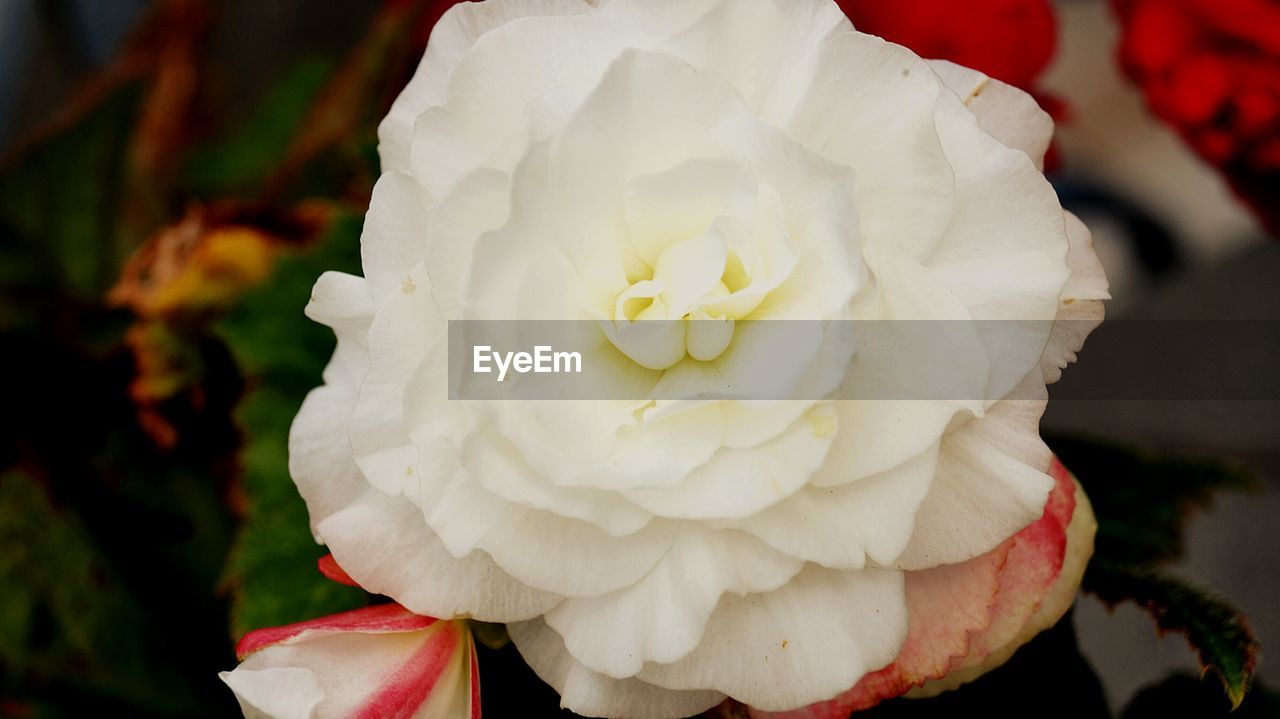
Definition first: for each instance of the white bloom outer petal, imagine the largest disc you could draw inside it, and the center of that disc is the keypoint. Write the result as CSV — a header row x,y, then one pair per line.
x,y
394,237
484,123
743,482
661,617
1081,307
495,463
595,695
991,482
770,74
382,541
1005,112
803,643
563,556
478,203
870,437
454,34
343,303
611,450
1001,260
403,332
904,198
658,18
386,547
840,527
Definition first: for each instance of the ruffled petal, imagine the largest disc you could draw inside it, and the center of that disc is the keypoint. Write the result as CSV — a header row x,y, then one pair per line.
x,y
805,642
969,618
453,35
661,617
991,483
595,695
1006,113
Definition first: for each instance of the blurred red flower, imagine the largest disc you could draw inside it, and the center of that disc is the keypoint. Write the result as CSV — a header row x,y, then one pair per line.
x,y
1211,69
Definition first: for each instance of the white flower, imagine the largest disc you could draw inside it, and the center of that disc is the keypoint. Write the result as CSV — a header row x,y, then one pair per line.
x,y
713,160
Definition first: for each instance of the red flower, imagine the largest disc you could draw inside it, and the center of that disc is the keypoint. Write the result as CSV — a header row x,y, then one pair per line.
x,y
1211,69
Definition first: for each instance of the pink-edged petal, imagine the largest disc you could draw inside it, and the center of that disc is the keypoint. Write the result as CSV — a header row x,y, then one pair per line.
x,y
380,619
328,566
400,696
374,663
474,694
968,618
1027,588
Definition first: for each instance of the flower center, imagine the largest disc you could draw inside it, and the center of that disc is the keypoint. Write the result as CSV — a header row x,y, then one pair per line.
x,y
687,303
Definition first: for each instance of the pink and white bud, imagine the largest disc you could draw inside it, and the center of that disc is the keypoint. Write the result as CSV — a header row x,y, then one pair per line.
x,y
380,662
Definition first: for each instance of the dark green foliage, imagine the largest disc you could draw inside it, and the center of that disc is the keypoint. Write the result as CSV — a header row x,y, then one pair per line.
x,y
273,567
1143,500
1217,631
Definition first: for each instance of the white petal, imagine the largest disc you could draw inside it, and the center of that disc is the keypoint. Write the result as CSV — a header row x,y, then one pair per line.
x,y
611,448
483,124
904,197
478,203
871,438
742,482
275,692
395,231
661,617
769,74
1005,112
383,542
1080,308
803,643
496,464
839,527
344,303
406,329
568,557
991,483
595,695
681,202
385,545
454,34
1001,260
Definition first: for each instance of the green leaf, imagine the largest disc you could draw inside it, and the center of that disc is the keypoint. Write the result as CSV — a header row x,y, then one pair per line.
x,y
272,569
238,165
62,606
1142,500
60,205
1183,695
1218,632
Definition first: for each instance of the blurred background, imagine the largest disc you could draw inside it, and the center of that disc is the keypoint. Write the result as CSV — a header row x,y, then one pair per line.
x,y
176,173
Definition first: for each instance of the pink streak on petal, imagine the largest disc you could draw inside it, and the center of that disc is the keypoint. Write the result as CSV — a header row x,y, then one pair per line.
x,y
404,692
379,619
328,566
475,682
963,612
